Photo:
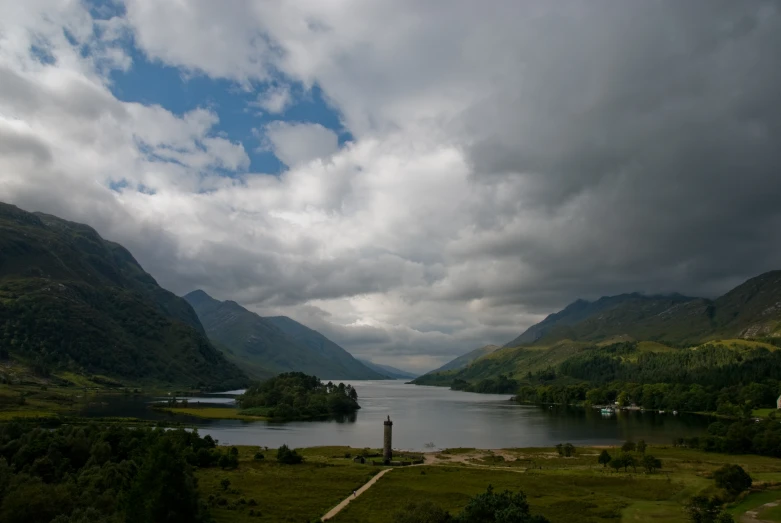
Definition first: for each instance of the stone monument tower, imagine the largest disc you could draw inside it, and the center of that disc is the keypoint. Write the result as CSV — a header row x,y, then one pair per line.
x,y
387,453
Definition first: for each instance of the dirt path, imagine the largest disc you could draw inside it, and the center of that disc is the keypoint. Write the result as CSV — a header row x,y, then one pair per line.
x,y
750,516
338,508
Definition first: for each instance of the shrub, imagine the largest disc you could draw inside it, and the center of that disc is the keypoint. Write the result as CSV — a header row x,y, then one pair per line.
x,y
732,478
287,456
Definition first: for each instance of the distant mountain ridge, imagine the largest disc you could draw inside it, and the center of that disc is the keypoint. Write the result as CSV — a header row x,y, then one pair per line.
x,y
70,300
271,345
387,370
752,310
581,310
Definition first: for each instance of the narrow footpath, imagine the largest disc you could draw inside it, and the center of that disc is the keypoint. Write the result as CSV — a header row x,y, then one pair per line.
x,y
750,516
338,508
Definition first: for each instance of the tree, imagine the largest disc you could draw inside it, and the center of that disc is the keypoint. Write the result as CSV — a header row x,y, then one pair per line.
x,y
164,489
622,399
569,450
604,458
650,463
628,446
641,446
423,512
507,507
225,483
628,460
616,463
287,456
228,461
732,478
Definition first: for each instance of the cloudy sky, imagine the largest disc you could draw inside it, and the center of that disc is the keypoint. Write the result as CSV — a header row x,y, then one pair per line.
x,y
414,179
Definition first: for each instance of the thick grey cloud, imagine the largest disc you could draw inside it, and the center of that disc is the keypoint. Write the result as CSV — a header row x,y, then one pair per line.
x,y
506,160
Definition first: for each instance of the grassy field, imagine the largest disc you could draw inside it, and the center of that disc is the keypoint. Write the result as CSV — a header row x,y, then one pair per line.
x,y
762,413
562,489
293,493
211,412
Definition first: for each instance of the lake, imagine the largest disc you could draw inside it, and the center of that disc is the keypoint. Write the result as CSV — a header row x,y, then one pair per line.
x,y
429,414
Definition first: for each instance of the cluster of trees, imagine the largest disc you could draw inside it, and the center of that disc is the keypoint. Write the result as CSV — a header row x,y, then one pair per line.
x,y
632,455
488,507
704,509
113,474
733,480
295,395
710,365
739,437
710,379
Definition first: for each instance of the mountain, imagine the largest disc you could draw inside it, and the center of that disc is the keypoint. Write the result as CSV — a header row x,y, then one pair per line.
x,y
387,370
70,300
273,345
659,323
608,312
465,359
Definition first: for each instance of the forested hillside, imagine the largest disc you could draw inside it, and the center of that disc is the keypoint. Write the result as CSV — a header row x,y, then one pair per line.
x,y
274,345
615,343
70,300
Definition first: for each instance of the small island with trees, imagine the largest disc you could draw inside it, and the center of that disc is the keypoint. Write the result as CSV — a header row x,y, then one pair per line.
x,y
298,396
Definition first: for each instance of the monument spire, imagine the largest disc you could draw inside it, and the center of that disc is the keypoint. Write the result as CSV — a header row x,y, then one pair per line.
x,y
387,452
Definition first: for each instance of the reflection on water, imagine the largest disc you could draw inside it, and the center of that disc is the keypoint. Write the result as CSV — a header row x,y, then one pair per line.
x,y
429,414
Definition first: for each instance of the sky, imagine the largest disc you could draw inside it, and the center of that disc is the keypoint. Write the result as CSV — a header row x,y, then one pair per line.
x,y
412,179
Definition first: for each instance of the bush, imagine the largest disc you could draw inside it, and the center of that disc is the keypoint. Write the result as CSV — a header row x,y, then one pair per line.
x,y
259,456
423,512
287,456
629,446
702,509
650,463
733,479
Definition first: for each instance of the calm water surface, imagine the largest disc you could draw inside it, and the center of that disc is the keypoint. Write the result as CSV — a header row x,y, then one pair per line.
x,y
430,414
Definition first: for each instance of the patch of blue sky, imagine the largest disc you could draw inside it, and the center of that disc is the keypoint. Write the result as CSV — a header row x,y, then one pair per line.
x,y
151,82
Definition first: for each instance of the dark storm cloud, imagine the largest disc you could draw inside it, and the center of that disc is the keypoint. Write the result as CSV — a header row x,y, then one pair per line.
x,y
505,159
645,138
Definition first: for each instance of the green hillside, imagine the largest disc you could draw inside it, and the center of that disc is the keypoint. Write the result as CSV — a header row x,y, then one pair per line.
x,y
72,301
274,345
661,324
465,359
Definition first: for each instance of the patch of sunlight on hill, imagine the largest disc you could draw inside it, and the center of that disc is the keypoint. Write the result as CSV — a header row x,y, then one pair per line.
x,y
738,344
621,338
653,346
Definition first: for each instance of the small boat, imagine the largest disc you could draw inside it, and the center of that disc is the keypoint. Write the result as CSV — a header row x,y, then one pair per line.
x,y
675,413
608,411
661,412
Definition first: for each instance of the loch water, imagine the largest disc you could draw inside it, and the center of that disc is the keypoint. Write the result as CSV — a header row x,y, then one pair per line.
x,y
423,415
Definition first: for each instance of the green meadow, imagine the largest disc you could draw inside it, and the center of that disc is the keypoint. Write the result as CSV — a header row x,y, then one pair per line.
x,y
561,489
